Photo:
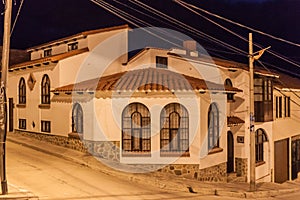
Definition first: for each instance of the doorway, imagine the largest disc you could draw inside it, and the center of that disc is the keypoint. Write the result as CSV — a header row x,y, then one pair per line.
x,y
230,152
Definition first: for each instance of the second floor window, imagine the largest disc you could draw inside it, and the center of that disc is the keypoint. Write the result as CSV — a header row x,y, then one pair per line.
x,y
22,91
287,106
72,46
45,90
263,99
278,107
47,52
161,62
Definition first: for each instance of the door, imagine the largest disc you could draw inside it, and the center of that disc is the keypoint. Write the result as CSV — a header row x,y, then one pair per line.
x,y
281,159
230,152
10,114
295,158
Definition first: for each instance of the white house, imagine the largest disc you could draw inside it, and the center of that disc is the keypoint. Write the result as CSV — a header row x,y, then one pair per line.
x,y
174,110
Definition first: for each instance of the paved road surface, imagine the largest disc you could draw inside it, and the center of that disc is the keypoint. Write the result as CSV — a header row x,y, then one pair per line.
x,y
50,177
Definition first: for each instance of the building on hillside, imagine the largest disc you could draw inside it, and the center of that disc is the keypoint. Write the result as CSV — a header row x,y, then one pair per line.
x,y
176,109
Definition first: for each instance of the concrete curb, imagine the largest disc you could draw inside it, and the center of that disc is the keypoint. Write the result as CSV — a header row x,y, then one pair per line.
x,y
89,161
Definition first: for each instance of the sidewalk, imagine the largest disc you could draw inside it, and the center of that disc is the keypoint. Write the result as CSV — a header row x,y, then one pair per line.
x,y
157,179
15,192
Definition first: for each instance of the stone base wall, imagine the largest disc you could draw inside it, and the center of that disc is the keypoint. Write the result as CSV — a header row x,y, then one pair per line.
x,y
217,173
186,171
71,143
104,149
241,165
111,151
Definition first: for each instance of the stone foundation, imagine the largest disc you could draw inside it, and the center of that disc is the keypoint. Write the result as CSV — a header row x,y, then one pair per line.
x,y
104,149
71,143
241,166
217,173
186,171
111,151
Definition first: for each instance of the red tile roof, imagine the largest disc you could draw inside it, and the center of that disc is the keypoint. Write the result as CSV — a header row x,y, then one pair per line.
x,y
146,79
233,121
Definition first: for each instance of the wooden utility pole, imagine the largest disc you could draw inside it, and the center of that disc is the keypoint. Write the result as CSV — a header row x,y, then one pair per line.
x,y
252,119
3,101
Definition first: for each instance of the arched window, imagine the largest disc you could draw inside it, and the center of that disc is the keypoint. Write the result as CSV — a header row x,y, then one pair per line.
x,y
77,119
228,83
174,132
45,90
213,126
136,131
22,91
260,138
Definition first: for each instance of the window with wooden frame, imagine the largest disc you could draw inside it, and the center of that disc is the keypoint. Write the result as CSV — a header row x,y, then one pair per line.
x,y
213,126
22,91
287,106
260,139
47,52
174,132
278,103
45,90
77,119
230,96
22,124
263,98
136,129
161,62
46,126
72,46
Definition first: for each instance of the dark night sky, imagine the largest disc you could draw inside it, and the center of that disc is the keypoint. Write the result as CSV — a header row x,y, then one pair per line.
x,y
45,20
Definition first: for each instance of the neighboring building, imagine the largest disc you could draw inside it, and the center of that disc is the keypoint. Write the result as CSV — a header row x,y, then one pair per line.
x,y
174,107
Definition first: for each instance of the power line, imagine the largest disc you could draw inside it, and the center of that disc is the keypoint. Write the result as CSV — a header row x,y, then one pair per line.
x,y
187,27
238,24
17,16
237,35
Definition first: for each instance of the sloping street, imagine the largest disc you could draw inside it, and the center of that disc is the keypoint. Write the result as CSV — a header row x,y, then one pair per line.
x,y
50,177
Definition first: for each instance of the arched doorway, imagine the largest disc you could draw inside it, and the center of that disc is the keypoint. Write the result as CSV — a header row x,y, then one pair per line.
x,y
230,152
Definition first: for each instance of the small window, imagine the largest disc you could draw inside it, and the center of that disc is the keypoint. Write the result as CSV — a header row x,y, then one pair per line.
x,y
260,139
22,123
213,126
77,119
45,87
230,96
46,126
278,107
22,91
47,52
287,106
161,62
72,46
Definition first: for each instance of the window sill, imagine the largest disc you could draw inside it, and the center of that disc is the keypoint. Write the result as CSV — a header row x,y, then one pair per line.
x,y
44,106
75,135
215,150
175,154
136,154
21,105
260,163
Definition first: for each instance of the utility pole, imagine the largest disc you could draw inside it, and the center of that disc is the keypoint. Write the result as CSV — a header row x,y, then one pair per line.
x,y
3,100
252,119
252,58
